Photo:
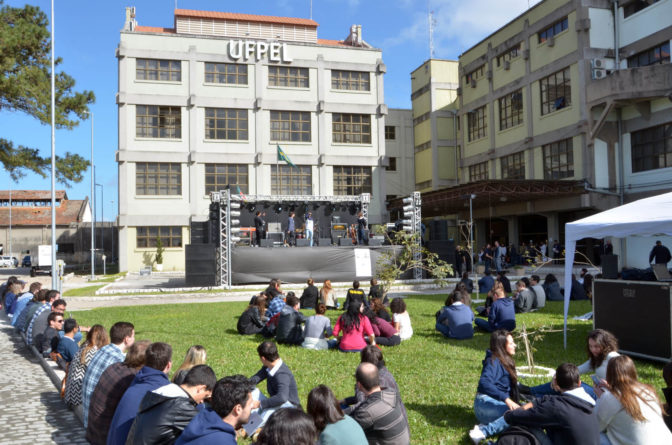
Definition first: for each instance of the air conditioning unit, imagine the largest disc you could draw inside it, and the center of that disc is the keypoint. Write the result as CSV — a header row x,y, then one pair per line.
x,y
598,63
526,54
507,65
598,73
551,41
473,83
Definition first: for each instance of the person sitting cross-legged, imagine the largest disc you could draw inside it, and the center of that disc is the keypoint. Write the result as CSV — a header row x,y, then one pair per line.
x,y
524,299
501,315
354,293
455,319
318,327
289,330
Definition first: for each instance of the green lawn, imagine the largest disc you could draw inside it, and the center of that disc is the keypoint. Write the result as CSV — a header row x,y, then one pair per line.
x,y
437,377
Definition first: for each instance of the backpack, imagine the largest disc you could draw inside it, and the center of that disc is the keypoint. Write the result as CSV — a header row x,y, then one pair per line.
x,y
517,435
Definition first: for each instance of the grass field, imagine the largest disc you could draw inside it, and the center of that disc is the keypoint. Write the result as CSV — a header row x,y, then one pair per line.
x,y
437,377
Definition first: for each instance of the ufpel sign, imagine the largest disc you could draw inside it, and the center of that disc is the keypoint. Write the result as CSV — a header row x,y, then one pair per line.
x,y
245,49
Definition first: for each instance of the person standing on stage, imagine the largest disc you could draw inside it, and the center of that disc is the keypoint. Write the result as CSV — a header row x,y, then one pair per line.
x,y
361,226
259,227
660,254
309,228
291,230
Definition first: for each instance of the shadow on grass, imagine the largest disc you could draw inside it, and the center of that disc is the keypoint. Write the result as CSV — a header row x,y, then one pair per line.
x,y
444,416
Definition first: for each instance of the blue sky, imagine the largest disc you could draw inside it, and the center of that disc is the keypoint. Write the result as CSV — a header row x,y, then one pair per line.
x,y
87,33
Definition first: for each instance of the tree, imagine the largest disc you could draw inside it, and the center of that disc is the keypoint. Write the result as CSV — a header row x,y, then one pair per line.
x,y
25,85
159,251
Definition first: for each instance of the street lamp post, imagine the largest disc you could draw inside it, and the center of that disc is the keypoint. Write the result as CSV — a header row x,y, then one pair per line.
x,y
55,281
102,217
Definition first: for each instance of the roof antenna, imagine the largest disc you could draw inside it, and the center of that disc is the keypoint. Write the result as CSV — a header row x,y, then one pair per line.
x,y
311,9
175,4
431,22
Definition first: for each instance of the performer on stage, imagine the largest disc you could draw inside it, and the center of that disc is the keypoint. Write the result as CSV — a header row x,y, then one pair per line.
x,y
259,225
309,228
291,230
361,226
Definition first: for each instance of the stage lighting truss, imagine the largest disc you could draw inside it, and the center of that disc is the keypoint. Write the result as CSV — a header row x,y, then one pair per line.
x,y
229,222
413,224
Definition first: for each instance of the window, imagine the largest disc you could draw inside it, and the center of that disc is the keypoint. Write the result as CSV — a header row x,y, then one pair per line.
x,y
171,236
559,160
352,180
475,74
421,118
392,164
227,73
423,146
351,128
158,178
553,30
286,76
294,180
152,121
636,6
226,123
219,176
478,172
508,55
390,132
476,123
162,70
652,148
292,126
556,91
513,166
350,80
652,56
511,110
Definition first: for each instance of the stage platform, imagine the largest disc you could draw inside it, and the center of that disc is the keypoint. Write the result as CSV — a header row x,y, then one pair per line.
x,y
296,264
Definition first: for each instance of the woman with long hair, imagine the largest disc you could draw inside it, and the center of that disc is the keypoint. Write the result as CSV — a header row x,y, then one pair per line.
x,y
379,309
498,386
386,334
332,425
327,296
354,326
318,327
552,288
628,410
96,338
195,356
6,287
13,291
288,426
253,320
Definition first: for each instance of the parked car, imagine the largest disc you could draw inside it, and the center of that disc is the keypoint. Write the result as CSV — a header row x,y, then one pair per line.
x,y
26,261
6,261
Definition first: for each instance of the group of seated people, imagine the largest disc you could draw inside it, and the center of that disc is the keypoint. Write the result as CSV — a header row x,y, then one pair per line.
x,y
618,409
365,321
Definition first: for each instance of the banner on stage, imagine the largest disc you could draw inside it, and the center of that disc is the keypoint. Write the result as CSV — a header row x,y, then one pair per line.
x,y
363,263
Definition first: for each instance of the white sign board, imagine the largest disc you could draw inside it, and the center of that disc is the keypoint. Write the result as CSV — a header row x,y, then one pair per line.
x,y
44,255
363,263
246,49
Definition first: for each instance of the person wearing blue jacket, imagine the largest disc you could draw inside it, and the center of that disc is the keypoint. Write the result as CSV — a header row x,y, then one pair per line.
x,y
158,361
501,315
486,283
498,386
455,318
230,409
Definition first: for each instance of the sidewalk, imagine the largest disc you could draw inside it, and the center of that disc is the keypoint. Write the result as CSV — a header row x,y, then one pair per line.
x,y
31,410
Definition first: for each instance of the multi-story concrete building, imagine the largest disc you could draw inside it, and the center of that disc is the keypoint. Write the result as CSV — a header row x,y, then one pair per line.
x,y
399,172
206,104
564,111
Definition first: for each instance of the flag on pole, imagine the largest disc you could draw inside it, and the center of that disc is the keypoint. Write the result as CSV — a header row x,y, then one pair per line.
x,y
240,193
282,156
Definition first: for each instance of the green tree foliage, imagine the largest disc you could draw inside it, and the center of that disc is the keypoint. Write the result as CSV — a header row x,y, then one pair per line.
x,y
25,85
159,251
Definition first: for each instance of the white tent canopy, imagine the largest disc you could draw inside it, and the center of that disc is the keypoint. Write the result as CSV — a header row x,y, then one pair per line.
x,y
645,217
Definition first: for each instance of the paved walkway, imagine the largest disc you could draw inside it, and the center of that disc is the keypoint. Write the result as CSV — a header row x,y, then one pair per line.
x,y
31,411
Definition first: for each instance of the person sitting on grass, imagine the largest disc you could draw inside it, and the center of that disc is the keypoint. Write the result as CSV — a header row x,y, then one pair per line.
x,y
378,307
485,283
328,296
196,355
354,293
333,426
497,390
288,426
468,282
253,320
229,410
455,319
377,291
385,332
539,293
402,321
552,288
275,305
310,295
501,315
317,328
567,417
502,278
67,346
289,329
524,298
354,326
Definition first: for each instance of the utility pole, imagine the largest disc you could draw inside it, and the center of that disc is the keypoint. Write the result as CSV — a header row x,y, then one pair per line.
x,y
55,281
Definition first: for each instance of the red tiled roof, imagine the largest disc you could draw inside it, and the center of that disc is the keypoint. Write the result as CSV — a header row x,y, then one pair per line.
x,y
68,212
29,195
245,17
331,42
154,29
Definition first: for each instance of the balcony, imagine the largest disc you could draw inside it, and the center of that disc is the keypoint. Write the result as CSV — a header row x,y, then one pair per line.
x,y
631,85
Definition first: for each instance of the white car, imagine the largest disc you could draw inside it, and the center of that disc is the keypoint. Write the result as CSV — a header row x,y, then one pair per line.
x,y
6,261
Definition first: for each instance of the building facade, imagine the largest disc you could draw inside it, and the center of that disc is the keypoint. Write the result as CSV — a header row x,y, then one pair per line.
x,y
399,162
207,103
564,111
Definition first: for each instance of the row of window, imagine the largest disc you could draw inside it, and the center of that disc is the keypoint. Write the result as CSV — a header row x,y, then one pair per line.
x,y
555,93
236,74
165,122
659,54
558,163
165,179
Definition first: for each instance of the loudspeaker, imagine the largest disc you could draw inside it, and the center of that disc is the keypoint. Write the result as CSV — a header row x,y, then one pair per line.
x,y
267,242
200,232
302,242
609,267
324,242
345,242
375,241
200,265
445,249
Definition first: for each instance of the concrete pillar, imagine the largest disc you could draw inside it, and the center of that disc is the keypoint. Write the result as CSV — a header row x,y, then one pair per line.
x,y
553,227
480,234
514,230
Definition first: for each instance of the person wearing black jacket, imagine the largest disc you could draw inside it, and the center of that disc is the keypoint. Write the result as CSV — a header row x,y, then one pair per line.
x,y
253,320
376,291
660,254
289,324
165,412
310,295
259,228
